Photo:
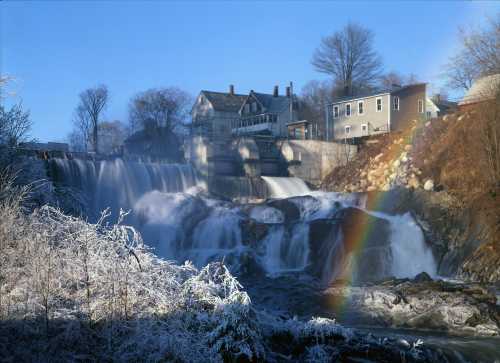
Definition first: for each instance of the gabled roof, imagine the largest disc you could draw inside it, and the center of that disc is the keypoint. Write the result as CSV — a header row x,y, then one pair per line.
x,y
270,103
222,101
483,89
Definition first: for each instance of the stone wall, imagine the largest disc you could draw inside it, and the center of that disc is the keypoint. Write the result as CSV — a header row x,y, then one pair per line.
x,y
312,160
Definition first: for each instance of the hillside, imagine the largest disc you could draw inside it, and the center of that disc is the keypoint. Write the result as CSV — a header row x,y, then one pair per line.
x,y
444,172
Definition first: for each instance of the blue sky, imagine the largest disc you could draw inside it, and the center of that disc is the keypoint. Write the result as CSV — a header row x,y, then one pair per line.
x,y
54,50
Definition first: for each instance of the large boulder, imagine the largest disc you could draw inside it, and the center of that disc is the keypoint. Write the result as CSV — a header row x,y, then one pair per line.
x,y
290,210
252,231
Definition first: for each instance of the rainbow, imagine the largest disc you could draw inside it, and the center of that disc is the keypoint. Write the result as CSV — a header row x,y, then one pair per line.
x,y
358,229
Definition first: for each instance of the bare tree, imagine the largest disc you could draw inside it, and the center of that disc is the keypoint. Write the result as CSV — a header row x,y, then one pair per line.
x,y
479,55
315,95
167,108
111,136
391,79
461,72
15,125
349,57
88,113
79,138
77,142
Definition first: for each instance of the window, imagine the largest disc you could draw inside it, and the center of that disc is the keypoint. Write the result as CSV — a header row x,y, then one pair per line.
x,y
348,110
429,115
247,108
361,105
254,107
364,128
379,104
420,106
335,111
396,103
347,130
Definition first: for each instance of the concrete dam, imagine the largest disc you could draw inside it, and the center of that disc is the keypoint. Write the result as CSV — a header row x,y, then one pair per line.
x,y
247,168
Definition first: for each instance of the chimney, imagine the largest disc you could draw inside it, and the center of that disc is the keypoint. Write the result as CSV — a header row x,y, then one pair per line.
x,y
231,89
275,91
288,93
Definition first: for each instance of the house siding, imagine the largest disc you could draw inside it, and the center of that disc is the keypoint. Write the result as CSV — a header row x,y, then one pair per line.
x,y
218,123
408,106
280,127
376,121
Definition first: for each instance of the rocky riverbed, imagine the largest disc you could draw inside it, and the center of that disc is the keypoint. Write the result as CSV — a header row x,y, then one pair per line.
x,y
423,303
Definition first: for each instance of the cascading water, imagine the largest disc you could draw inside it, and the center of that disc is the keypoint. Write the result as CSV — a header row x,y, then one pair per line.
x,y
283,187
119,184
187,226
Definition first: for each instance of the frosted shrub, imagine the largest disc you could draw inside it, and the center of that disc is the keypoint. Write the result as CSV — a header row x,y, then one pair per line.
x,y
233,330
75,290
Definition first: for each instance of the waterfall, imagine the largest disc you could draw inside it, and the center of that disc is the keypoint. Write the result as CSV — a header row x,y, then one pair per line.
x,y
311,232
286,252
282,187
120,184
410,253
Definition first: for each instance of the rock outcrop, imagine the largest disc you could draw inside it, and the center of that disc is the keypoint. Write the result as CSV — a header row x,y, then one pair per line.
x,y
425,304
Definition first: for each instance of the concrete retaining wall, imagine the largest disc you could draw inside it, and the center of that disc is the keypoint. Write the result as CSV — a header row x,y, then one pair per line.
x,y
312,160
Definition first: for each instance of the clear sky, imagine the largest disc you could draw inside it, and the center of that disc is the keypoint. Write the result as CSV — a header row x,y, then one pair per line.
x,y
54,50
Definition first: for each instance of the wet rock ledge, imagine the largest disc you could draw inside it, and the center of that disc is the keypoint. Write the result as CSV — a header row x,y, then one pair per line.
x,y
423,303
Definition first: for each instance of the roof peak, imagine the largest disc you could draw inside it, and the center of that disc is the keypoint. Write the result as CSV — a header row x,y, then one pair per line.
x,y
223,93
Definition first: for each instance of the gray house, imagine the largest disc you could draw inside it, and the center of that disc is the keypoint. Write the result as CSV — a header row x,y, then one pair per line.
x,y
214,112
266,114
219,115
376,112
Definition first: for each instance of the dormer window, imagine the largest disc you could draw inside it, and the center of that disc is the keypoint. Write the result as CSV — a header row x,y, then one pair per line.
x,y
246,109
254,107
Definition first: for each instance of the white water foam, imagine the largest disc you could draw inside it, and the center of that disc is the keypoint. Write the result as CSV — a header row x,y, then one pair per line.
x,y
283,187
